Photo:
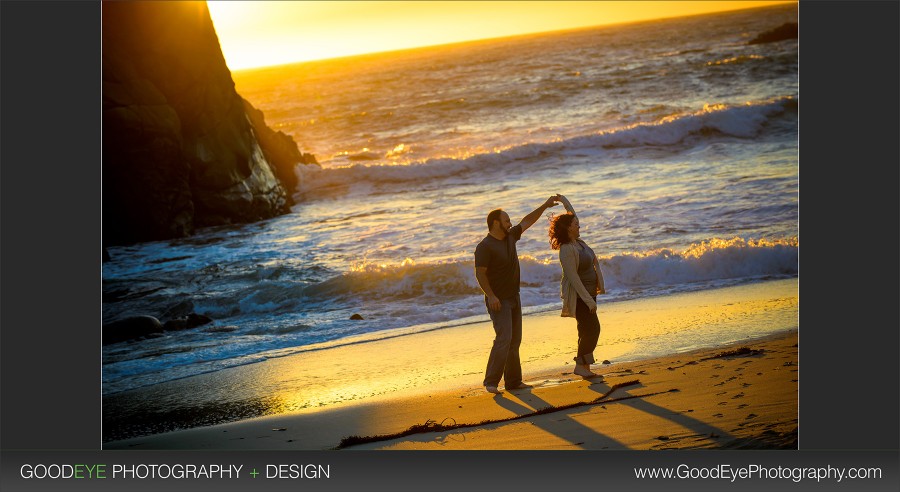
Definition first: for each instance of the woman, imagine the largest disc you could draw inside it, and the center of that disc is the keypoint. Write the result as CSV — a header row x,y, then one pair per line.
x,y
581,282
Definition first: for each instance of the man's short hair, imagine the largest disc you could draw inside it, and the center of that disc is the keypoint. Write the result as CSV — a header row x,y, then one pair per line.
x,y
492,216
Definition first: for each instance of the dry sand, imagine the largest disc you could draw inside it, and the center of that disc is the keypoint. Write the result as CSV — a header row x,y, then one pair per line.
x,y
696,400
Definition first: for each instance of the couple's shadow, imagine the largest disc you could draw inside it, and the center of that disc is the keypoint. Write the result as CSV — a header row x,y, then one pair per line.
x,y
560,423
577,434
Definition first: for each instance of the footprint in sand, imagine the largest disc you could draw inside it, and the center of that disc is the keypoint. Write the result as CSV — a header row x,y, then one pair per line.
x,y
718,415
742,405
721,393
723,403
739,395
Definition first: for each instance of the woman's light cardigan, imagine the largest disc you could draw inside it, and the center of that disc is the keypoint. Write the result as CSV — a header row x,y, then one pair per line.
x,y
570,285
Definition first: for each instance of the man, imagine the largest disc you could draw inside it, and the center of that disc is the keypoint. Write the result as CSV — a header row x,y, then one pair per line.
x,y
497,272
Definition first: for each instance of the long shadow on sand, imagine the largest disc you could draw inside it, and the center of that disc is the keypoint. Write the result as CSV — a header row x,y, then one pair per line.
x,y
699,431
573,432
699,427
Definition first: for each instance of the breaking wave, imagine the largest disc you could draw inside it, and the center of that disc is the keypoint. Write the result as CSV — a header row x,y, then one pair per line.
x,y
712,121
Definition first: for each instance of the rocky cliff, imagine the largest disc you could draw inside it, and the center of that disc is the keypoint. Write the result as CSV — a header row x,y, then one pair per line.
x,y
788,30
181,148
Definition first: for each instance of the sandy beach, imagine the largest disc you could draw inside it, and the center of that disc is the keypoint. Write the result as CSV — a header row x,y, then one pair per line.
x,y
703,399
741,394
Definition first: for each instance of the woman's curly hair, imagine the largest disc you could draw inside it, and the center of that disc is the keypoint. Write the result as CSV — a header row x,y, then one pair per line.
x,y
559,229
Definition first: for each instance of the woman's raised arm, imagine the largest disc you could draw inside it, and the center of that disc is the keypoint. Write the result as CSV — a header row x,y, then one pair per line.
x,y
566,203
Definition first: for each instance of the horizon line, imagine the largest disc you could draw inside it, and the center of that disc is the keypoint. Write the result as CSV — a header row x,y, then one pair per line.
x,y
497,38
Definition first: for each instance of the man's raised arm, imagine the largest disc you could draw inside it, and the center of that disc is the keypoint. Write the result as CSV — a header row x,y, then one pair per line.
x,y
531,218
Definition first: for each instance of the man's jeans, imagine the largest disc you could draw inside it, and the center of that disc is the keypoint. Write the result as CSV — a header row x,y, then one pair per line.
x,y
504,358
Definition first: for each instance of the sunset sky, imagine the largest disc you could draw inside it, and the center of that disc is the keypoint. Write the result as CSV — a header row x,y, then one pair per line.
x,y
256,34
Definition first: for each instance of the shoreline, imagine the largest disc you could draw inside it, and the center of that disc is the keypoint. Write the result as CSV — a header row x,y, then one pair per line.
x,y
693,400
387,334
318,387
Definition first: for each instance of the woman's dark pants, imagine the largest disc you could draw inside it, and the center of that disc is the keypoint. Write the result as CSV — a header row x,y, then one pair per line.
x,y
588,333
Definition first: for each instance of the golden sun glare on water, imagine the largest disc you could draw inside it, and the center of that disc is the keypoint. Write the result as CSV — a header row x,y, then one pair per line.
x,y
257,34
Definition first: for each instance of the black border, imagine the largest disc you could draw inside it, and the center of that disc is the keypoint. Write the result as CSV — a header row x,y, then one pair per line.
x,y
50,258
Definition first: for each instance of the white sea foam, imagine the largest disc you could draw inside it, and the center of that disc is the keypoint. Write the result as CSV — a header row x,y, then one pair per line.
x,y
716,259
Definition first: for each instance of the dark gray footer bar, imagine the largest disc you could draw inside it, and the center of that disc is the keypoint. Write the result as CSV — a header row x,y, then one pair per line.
x,y
519,471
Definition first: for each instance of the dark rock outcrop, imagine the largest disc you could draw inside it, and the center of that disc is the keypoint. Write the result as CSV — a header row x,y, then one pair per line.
x,y
192,320
279,148
130,328
788,30
181,149
135,327
180,310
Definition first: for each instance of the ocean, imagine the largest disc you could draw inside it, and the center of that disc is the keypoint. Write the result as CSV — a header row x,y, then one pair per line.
x,y
675,140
